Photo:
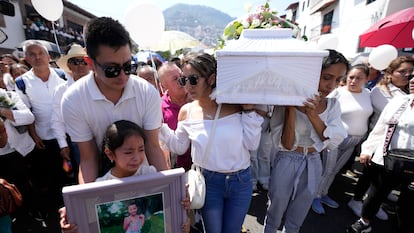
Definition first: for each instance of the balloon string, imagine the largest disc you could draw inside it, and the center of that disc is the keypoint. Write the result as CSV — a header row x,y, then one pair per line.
x,y
157,84
54,33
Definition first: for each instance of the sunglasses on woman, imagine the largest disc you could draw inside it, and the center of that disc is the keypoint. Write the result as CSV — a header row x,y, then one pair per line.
x,y
76,61
113,71
193,79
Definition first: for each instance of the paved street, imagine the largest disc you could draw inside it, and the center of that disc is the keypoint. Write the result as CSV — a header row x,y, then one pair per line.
x,y
335,221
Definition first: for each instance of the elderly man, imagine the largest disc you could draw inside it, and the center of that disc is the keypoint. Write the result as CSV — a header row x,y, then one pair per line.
x,y
47,173
175,96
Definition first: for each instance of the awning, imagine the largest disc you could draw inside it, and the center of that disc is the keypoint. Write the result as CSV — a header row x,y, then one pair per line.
x,y
292,6
324,5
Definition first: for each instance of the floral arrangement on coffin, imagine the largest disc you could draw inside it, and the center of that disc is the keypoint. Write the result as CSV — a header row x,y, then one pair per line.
x,y
263,18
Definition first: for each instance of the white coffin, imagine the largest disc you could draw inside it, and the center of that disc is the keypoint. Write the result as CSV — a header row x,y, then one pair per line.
x,y
267,66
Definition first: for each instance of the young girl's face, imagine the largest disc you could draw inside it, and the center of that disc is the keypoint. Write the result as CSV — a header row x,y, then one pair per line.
x,y
128,157
330,78
132,210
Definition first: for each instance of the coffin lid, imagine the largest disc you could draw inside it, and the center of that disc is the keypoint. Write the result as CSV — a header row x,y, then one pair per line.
x,y
269,42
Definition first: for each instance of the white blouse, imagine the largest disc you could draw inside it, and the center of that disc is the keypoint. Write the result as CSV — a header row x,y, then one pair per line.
x,y
305,134
235,135
144,169
403,137
380,97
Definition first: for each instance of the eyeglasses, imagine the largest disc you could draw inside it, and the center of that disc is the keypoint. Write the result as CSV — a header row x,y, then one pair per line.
x,y
113,71
76,62
405,72
193,79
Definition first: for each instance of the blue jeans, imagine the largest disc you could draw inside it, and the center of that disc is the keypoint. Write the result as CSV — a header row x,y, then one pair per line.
x,y
227,200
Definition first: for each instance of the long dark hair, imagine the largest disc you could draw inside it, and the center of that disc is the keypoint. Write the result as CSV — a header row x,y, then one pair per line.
x,y
333,58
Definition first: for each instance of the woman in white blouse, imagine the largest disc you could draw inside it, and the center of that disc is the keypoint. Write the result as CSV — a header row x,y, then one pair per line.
x,y
356,108
300,133
227,167
372,152
393,84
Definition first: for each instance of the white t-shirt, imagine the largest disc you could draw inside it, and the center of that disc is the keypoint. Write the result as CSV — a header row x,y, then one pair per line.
x,y
144,169
87,113
356,108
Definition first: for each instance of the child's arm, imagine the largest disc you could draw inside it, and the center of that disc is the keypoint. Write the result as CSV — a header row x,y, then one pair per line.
x,y
127,221
142,219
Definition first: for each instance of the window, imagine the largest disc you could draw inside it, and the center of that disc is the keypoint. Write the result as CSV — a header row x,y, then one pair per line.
x,y
370,1
303,6
327,23
308,3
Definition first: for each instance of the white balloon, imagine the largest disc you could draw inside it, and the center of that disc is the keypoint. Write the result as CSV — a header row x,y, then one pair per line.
x,y
412,34
145,23
328,41
49,9
381,56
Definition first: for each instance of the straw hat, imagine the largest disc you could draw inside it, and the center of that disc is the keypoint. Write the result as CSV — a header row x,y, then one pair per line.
x,y
74,51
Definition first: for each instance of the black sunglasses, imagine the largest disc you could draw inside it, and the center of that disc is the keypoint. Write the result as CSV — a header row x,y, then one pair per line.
x,y
193,79
411,76
76,62
113,71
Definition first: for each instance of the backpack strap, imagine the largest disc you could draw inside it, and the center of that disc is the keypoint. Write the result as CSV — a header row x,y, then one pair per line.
x,y
20,84
60,73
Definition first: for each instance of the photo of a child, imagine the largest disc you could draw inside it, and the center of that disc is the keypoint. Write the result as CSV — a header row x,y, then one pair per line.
x,y
135,221
143,214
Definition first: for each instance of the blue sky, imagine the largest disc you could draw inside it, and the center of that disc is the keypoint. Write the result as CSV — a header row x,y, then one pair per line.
x,y
234,8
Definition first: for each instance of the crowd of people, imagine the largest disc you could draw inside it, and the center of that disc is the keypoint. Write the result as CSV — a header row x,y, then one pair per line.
x,y
102,116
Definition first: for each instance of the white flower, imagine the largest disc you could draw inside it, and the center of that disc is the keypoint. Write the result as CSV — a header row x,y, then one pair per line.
x,y
245,23
255,22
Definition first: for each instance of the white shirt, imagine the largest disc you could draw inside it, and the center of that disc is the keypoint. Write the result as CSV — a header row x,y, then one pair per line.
x,y
21,143
9,81
235,135
403,137
87,113
380,97
58,125
305,134
356,108
142,170
39,98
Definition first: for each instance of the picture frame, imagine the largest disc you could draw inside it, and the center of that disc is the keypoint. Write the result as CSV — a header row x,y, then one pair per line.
x,y
104,206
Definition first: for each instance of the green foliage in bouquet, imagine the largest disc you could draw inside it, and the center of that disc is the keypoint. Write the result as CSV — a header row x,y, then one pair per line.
x,y
6,102
263,18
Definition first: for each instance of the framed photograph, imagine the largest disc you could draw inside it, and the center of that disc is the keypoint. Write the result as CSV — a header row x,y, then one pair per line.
x,y
146,203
